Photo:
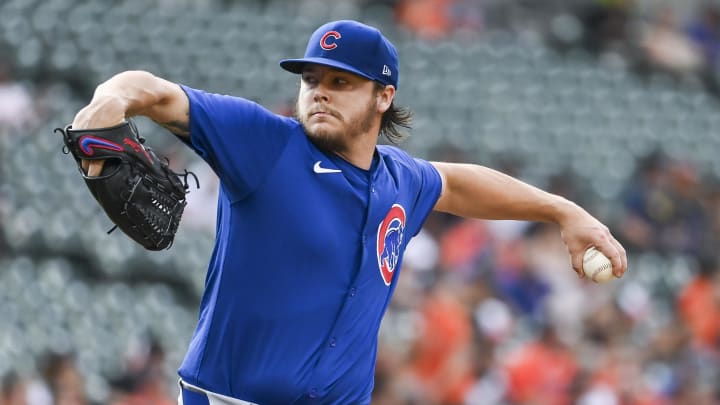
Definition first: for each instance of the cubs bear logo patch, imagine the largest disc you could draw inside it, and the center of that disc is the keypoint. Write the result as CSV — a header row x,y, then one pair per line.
x,y
389,239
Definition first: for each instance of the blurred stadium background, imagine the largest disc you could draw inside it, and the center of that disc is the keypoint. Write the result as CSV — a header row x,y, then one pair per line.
x,y
611,103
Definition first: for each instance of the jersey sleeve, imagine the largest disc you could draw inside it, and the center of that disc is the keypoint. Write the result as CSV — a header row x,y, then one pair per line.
x,y
239,139
429,184
423,182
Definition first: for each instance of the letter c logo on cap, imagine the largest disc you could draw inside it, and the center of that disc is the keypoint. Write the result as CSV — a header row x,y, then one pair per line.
x,y
324,44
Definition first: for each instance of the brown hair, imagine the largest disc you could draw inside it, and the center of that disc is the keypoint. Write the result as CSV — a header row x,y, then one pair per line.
x,y
396,121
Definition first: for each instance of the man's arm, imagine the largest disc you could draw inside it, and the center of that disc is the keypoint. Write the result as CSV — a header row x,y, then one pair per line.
x,y
136,93
480,192
132,93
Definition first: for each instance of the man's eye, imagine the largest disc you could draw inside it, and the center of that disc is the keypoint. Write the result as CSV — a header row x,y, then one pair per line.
x,y
309,79
340,80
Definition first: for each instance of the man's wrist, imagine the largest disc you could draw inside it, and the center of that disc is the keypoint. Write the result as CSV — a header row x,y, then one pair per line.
x,y
564,211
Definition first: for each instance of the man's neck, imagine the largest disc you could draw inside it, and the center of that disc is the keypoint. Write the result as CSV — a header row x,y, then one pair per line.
x,y
361,153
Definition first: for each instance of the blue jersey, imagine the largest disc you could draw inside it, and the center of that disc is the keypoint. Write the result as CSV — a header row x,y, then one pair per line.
x,y
307,254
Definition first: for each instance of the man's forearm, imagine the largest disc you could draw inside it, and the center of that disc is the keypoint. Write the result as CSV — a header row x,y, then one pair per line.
x,y
480,192
134,93
138,91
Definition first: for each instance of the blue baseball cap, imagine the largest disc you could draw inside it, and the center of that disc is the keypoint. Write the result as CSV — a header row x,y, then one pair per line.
x,y
351,46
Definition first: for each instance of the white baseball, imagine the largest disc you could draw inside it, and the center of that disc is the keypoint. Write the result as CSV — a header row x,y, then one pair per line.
x,y
597,266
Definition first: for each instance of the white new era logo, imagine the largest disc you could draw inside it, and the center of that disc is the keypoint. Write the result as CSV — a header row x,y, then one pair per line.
x,y
386,70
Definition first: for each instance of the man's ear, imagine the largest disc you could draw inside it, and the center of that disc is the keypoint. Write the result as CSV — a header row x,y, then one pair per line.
x,y
385,98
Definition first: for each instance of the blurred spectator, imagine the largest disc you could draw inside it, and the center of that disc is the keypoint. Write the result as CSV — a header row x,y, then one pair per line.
x,y
679,370
607,27
517,282
435,19
285,107
688,224
542,371
698,303
598,394
666,46
616,377
490,382
429,19
710,200
145,381
704,31
566,293
463,247
17,109
439,359
38,392
607,325
642,203
664,210
422,252
201,210
493,317
567,184
63,379
468,16
391,388
13,390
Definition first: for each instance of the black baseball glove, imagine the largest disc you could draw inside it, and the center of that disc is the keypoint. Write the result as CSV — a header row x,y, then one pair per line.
x,y
138,191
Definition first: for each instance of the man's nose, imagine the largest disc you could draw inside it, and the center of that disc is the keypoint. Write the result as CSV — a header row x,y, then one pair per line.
x,y
320,94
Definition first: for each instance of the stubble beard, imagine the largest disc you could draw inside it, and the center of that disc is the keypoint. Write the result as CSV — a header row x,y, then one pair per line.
x,y
339,141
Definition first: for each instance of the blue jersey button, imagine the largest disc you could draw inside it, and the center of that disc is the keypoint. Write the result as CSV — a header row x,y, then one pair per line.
x,y
313,393
353,291
333,342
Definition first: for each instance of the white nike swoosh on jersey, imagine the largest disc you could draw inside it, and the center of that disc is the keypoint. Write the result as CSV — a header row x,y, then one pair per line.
x,y
318,169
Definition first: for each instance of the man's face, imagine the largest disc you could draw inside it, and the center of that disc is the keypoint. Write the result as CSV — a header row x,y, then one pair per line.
x,y
335,106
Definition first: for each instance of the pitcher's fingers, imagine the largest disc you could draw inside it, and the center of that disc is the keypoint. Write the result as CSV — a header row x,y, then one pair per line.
x,y
623,259
577,264
95,168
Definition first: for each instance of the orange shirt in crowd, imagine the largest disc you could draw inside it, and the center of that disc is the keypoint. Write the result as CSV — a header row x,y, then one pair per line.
x,y
441,358
428,18
461,244
542,375
698,306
